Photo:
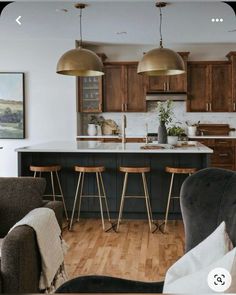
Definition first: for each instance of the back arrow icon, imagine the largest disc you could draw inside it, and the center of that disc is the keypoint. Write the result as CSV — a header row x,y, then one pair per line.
x,y
18,20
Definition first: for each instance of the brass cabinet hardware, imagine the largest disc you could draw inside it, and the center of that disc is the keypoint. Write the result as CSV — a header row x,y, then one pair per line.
x,y
234,106
210,107
207,107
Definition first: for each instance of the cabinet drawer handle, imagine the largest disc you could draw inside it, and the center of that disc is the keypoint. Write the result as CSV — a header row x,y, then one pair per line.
x,y
234,106
210,107
207,107
222,142
165,86
126,107
223,155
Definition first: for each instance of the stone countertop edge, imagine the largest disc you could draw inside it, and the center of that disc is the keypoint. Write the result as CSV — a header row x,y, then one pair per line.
x,y
98,147
213,137
143,136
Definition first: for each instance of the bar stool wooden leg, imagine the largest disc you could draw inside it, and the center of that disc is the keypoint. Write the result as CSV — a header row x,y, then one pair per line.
x,y
147,201
53,188
122,200
105,196
75,201
146,187
80,195
168,201
61,192
100,200
35,174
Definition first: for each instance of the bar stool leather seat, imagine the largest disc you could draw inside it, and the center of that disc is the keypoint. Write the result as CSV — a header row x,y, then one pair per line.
x,y
48,168
89,169
135,169
178,170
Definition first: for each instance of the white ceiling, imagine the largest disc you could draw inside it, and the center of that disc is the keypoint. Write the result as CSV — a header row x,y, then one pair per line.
x,y
183,22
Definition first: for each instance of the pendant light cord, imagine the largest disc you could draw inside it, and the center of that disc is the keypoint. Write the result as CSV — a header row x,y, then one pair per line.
x,y
160,27
80,21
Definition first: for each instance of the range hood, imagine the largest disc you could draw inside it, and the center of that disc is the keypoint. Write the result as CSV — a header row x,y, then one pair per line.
x,y
166,96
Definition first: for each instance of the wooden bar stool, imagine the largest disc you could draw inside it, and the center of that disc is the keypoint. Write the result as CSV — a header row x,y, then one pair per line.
x,y
142,171
101,191
173,171
51,169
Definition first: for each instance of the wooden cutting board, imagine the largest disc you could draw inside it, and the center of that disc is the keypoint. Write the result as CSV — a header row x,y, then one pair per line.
x,y
151,147
214,129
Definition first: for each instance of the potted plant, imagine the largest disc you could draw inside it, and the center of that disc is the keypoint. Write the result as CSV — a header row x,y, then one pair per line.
x,y
174,132
165,117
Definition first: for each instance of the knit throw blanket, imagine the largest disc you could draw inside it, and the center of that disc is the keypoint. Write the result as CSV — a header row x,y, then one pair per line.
x,y
51,247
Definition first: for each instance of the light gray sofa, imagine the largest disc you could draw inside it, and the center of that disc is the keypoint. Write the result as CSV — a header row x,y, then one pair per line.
x,y
20,259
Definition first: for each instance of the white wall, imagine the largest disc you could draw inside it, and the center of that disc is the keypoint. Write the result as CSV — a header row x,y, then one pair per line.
x,y
50,101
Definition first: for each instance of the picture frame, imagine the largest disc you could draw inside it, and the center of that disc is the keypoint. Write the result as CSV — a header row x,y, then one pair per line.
x,y
12,105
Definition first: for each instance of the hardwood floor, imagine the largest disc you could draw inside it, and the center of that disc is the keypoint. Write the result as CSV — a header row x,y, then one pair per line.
x,y
133,253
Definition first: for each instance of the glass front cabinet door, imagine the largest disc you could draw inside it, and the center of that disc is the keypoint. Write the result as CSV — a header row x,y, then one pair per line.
x,y
90,94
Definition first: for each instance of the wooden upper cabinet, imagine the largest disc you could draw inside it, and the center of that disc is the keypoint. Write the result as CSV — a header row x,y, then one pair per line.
x,y
113,100
232,57
209,87
124,89
157,83
221,88
198,88
175,83
135,90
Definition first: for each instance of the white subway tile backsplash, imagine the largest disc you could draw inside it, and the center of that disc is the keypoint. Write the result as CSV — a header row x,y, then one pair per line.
x,y
136,121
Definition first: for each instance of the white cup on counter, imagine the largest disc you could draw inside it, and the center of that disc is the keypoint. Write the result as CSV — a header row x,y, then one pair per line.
x,y
192,130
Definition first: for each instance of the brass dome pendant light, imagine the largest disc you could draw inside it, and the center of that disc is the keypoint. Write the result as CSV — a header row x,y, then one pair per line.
x,y
80,61
161,61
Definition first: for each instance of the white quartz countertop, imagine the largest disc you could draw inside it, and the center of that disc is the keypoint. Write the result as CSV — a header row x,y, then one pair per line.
x,y
101,147
214,137
109,136
233,136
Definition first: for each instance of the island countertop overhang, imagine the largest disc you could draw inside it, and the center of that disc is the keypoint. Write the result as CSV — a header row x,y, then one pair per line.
x,y
101,147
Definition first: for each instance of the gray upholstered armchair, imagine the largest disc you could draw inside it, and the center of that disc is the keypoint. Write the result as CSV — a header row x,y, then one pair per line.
x,y
20,259
208,197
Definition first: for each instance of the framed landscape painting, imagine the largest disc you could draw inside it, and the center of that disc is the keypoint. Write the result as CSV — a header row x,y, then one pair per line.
x,y
12,123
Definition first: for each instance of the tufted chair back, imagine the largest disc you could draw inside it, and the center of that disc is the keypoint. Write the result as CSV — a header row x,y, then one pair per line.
x,y
207,198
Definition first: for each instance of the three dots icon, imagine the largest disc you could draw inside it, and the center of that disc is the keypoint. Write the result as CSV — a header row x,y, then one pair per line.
x,y
217,20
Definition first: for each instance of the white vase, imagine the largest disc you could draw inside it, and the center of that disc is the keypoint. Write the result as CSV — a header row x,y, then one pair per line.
x,y
172,140
92,130
192,130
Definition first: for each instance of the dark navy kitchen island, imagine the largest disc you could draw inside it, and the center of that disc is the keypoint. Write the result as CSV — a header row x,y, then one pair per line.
x,y
112,156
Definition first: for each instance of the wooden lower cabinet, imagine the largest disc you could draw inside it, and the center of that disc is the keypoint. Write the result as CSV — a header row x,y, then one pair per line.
x,y
224,152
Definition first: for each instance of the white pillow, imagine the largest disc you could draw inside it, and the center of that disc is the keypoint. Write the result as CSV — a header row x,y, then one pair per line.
x,y
189,273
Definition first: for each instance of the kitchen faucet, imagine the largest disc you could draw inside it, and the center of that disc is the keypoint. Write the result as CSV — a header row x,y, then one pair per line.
x,y
124,125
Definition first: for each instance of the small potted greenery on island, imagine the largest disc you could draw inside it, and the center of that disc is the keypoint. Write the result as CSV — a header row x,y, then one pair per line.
x,y
165,114
174,132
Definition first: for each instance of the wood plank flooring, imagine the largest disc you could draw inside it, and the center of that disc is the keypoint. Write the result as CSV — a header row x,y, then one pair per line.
x,y
133,253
